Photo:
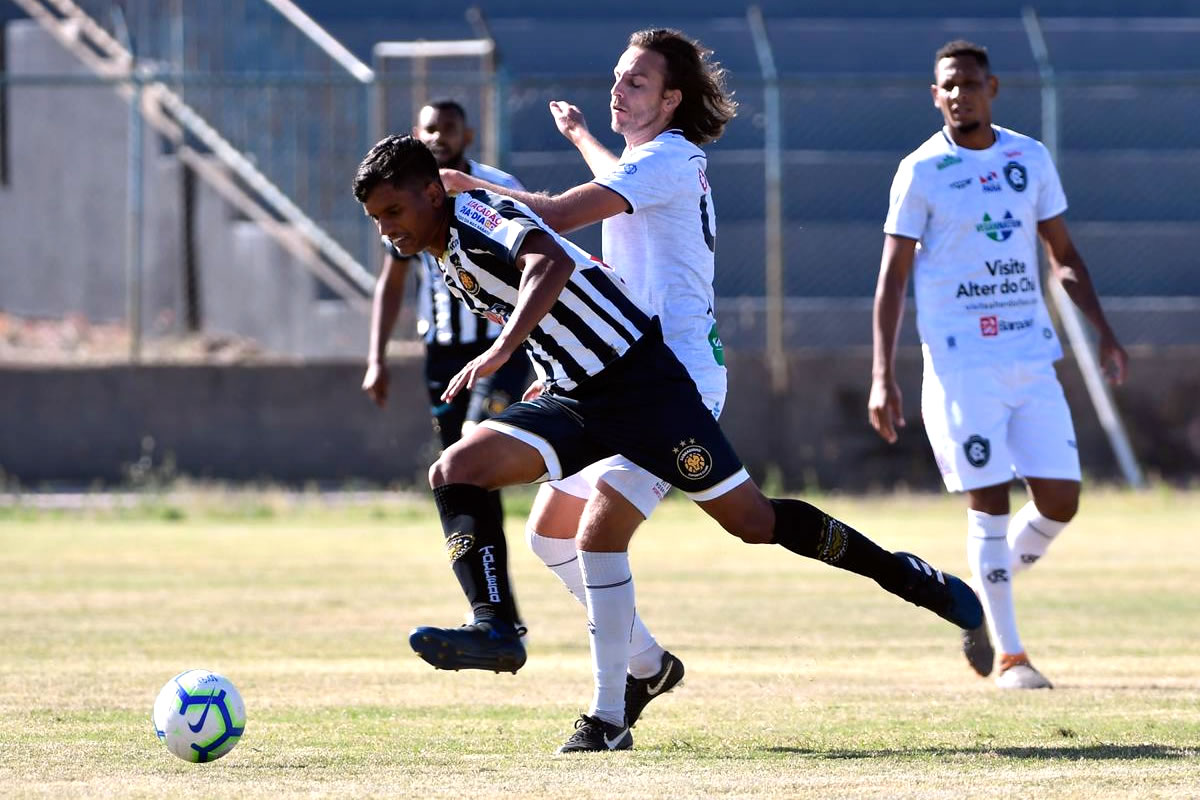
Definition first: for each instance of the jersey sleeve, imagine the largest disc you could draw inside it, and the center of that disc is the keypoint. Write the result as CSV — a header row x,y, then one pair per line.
x,y
908,210
643,177
492,224
1051,200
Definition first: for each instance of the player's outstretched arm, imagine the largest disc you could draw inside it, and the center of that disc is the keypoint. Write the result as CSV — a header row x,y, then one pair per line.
x,y
578,207
885,407
385,309
1067,266
573,126
545,269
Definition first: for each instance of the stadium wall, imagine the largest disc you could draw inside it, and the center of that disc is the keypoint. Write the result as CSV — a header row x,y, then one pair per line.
x,y
296,423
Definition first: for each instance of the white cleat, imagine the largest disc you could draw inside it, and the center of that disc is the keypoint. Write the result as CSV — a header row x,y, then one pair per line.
x,y
1017,673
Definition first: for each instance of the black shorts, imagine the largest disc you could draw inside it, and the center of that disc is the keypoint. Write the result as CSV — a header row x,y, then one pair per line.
x,y
443,362
643,406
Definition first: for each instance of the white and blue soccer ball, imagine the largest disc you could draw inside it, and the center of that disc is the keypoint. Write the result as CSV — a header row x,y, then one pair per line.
x,y
199,715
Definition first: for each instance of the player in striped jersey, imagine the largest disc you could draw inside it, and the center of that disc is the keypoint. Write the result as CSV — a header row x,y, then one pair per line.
x,y
611,386
659,233
452,334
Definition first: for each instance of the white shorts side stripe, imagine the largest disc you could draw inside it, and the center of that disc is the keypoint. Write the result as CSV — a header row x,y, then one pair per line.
x,y
549,456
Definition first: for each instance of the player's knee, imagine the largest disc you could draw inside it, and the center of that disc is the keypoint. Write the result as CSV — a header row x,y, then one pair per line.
x,y
1060,507
453,467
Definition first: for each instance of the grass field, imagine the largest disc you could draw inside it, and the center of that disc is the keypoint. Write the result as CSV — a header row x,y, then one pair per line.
x,y
802,681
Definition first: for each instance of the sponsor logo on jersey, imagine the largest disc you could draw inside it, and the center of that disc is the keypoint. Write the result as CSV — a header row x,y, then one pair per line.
x,y
990,182
994,326
694,462
458,545
703,180
468,282
718,348
998,230
978,450
948,161
964,183
497,313
481,216
1011,153
1016,175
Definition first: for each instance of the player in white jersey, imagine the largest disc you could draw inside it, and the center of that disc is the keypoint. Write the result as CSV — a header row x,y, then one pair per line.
x,y
967,209
659,234
611,386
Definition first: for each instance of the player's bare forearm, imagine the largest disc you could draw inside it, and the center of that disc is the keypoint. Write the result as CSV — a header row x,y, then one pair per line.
x,y
599,158
1066,264
385,306
888,311
575,208
545,270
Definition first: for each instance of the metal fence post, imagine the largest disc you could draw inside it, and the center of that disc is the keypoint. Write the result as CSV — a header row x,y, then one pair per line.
x,y
773,163
1072,322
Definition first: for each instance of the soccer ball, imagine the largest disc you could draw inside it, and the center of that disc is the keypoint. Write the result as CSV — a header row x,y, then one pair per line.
x,y
199,715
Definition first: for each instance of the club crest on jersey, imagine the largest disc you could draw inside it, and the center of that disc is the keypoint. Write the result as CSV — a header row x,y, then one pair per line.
x,y
458,545
469,284
978,450
1016,175
694,462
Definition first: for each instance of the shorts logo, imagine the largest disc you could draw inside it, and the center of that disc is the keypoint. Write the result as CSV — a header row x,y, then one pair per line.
x,y
693,461
999,575
978,450
834,542
469,284
458,545
1016,175
989,326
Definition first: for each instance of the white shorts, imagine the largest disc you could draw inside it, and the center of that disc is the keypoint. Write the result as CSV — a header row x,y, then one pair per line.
x,y
991,423
641,488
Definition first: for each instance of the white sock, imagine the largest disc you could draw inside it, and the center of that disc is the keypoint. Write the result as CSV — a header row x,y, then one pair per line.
x,y
1030,535
987,554
560,556
610,601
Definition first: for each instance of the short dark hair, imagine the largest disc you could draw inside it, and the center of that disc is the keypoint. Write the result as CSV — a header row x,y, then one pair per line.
x,y
706,106
398,160
446,104
961,47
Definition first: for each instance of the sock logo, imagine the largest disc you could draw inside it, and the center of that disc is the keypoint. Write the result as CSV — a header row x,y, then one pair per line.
x,y
834,541
978,450
458,545
998,575
489,573
1029,558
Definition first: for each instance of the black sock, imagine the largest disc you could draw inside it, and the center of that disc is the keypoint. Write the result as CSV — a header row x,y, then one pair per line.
x,y
478,553
808,531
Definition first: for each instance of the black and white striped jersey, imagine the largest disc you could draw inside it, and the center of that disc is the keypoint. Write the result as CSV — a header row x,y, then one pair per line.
x,y
441,319
594,320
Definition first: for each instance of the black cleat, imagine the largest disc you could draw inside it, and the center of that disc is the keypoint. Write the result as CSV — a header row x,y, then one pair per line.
x,y
640,691
977,647
940,592
594,735
483,644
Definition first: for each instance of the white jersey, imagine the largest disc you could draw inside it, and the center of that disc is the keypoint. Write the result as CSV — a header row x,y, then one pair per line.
x,y
441,319
975,215
663,248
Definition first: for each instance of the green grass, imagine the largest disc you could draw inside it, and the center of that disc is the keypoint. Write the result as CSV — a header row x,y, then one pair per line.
x,y
802,681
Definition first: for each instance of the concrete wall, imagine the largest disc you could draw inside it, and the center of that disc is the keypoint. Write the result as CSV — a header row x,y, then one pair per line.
x,y
296,423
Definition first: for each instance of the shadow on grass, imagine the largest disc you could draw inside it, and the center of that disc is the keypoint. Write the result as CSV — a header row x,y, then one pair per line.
x,y
1083,752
